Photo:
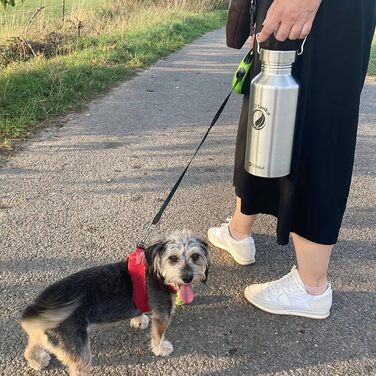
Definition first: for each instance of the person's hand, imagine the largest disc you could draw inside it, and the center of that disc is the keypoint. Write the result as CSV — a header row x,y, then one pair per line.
x,y
289,19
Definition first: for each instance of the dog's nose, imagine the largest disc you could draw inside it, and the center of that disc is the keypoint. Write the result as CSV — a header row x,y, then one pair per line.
x,y
187,279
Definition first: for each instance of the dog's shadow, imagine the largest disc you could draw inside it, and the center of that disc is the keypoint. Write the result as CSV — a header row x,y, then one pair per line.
x,y
221,324
204,300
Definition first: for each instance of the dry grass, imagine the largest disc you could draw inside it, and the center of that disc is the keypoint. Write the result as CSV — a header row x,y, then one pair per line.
x,y
25,37
56,65
96,16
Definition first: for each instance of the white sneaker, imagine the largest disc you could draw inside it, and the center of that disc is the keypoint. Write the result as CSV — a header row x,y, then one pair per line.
x,y
243,251
288,296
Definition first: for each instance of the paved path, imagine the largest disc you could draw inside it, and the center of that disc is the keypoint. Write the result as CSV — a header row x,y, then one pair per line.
x,y
77,195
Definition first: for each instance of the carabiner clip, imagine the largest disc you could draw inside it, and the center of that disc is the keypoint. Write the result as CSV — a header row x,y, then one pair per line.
x,y
302,47
258,44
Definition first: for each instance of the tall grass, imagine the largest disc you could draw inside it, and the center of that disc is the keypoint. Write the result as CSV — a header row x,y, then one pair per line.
x,y
97,16
114,41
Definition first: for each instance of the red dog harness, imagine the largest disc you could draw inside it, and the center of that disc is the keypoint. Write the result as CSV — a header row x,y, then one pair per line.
x,y
137,271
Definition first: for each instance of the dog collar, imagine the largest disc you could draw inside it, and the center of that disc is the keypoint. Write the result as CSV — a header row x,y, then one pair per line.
x,y
172,289
137,271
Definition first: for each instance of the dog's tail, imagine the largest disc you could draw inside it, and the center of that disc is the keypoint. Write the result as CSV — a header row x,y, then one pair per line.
x,y
46,314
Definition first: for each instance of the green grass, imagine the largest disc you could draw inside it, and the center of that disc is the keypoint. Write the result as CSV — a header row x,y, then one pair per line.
x,y
22,11
372,61
39,89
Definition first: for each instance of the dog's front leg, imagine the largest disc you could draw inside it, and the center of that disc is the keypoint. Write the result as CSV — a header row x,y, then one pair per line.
x,y
159,345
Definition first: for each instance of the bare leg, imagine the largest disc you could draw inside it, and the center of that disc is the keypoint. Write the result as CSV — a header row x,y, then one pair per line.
x,y
241,224
313,262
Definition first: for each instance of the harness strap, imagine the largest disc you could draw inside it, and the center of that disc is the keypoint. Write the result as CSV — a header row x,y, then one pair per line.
x,y
137,272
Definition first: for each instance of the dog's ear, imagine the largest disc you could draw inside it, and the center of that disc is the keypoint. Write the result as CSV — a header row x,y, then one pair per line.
x,y
152,254
205,248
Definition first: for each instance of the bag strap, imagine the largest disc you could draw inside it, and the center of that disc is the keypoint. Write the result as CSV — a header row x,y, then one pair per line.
x,y
252,12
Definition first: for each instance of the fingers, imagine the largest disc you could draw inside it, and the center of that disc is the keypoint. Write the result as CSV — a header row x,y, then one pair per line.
x,y
270,25
267,30
289,19
306,29
283,32
295,32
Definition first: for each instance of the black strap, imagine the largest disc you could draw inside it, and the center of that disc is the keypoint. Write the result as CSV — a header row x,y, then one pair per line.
x,y
175,187
158,216
252,12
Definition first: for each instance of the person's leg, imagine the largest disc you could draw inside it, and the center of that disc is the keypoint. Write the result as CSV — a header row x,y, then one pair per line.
x,y
304,291
313,262
241,224
235,237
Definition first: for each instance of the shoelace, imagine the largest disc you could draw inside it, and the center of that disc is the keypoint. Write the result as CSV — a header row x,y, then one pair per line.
x,y
228,220
285,284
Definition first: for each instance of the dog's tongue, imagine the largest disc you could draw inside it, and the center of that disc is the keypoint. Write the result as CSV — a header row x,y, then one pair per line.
x,y
186,293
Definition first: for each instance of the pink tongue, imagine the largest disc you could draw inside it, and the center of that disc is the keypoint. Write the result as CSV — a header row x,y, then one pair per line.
x,y
186,293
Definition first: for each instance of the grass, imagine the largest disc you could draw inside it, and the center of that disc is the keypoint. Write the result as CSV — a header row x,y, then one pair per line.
x,y
16,18
117,39
372,61
41,88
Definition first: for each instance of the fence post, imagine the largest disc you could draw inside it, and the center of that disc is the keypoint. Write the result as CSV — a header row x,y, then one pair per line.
x,y
63,9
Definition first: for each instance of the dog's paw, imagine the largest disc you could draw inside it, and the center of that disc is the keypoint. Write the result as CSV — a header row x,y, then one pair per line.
x,y
164,348
37,358
141,322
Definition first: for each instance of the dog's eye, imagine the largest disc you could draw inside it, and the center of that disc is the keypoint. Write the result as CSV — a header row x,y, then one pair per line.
x,y
195,256
173,259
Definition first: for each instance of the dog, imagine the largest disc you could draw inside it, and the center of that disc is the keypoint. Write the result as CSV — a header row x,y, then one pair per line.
x,y
58,320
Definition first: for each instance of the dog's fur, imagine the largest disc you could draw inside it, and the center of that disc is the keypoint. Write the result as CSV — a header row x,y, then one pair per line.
x,y
58,320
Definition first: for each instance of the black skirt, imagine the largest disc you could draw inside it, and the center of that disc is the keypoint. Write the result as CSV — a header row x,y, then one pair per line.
x,y
311,201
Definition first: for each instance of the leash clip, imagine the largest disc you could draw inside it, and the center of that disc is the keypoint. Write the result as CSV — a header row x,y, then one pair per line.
x,y
141,245
150,228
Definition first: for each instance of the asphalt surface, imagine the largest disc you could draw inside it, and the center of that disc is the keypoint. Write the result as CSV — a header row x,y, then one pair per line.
x,y
78,195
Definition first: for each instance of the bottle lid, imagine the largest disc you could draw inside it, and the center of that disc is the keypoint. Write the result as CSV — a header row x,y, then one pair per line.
x,y
277,57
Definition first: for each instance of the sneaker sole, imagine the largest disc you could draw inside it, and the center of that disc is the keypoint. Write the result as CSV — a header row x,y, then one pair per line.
x,y
240,261
259,305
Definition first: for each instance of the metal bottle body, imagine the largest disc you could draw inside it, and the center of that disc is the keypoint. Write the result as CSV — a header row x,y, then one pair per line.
x,y
271,119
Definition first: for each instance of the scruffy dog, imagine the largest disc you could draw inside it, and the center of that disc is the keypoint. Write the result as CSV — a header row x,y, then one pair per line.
x,y
58,320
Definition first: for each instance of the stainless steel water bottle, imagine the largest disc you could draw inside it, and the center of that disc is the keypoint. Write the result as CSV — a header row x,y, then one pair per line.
x,y
272,112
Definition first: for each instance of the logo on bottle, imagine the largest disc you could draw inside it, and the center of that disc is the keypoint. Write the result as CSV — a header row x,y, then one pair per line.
x,y
258,119
256,166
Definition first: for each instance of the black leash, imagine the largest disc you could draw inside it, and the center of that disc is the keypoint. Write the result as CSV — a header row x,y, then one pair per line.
x,y
158,216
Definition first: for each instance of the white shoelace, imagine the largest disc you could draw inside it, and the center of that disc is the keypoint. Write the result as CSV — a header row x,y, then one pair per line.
x,y
227,223
286,284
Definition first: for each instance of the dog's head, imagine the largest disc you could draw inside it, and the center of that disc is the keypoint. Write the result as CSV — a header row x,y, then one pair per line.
x,y
179,260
